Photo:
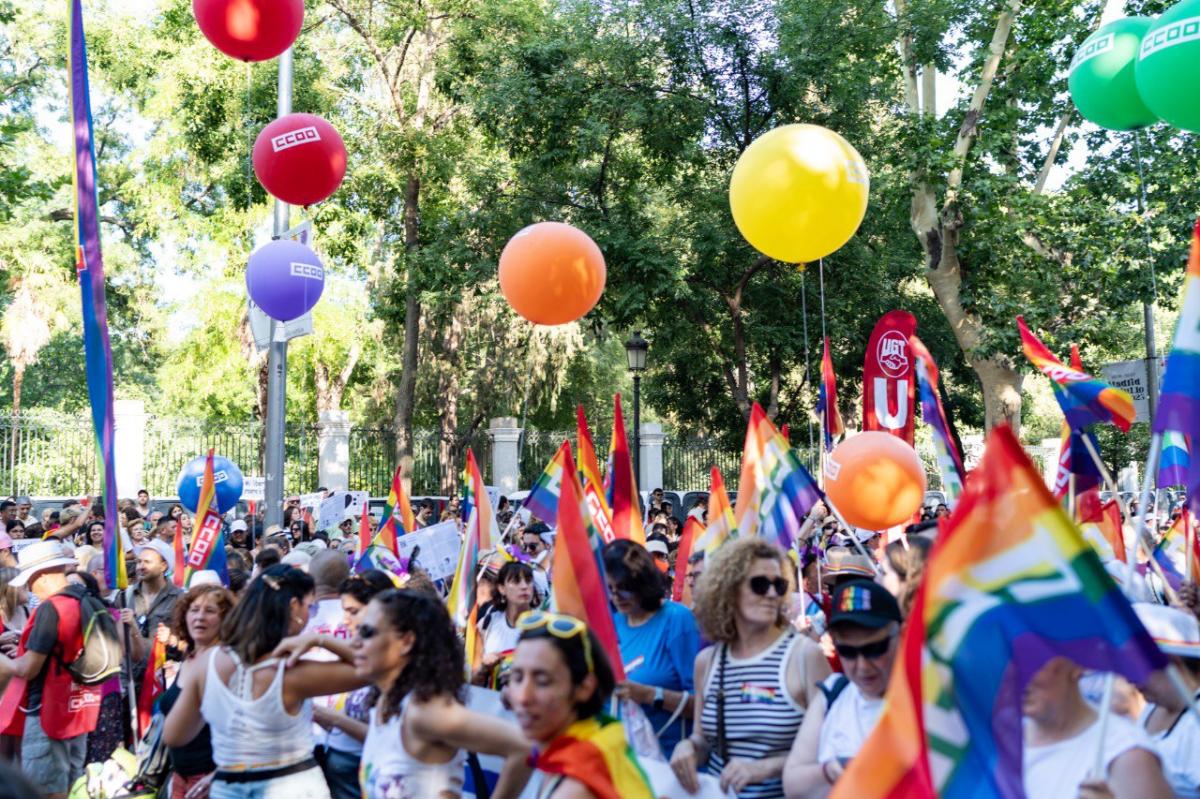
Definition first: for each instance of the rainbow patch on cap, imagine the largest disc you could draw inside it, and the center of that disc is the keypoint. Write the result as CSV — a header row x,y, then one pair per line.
x,y
853,599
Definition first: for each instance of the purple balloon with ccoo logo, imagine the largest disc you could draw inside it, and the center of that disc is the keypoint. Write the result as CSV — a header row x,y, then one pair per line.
x,y
285,279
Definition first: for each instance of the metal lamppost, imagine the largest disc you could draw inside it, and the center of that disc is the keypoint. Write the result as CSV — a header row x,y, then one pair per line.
x,y
635,351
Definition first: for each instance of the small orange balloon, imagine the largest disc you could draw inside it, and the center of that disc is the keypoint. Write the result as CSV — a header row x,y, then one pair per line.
x,y
552,273
875,480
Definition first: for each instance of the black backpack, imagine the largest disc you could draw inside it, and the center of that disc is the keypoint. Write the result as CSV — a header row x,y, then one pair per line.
x,y
100,657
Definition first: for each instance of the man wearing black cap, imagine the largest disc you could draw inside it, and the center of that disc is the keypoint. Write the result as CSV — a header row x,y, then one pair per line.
x,y
865,626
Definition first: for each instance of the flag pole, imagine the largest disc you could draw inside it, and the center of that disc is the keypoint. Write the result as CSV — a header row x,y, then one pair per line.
x,y
1071,495
1105,711
1144,502
1190,542
854,537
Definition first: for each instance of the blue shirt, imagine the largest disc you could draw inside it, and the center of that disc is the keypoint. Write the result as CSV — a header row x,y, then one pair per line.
x,y
662,652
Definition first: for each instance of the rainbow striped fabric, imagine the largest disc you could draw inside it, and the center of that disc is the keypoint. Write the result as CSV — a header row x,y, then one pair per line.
x,y
89,266
596,753
776,492
578,587
721,524
207,551
1085,400
1179,402
1175,461
1171,553
542,500
397,518
1009,585
831,419
622,492
933,414
480,535
589,479
1073,457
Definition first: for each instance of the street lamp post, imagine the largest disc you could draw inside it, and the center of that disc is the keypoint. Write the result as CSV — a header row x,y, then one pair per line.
x,y
635,351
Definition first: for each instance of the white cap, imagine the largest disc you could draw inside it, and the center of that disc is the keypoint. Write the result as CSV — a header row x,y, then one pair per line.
x,y
204,577
239,524
657,548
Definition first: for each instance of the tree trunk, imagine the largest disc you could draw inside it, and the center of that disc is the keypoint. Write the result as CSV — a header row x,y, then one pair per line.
x,y
406,391
1001,392
448,388
19,367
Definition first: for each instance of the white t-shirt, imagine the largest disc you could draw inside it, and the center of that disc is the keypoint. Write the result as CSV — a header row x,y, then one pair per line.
x,y
1179,748
328,619
848,722
388,771
498,634
1056,770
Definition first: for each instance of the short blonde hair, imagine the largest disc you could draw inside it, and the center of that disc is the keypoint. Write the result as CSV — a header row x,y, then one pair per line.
x,y
719,587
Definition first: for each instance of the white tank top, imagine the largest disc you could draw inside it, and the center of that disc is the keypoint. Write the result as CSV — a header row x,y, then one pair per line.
x,y
1179,747
253,734
388,771
1055,771
848,722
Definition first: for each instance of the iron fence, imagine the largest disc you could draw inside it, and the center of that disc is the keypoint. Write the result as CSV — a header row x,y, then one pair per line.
x,y
47,454
373,460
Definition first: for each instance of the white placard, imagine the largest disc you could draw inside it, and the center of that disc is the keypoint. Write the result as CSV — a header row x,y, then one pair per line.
x,y
439,545
254,488
1131,376
494,495
333,509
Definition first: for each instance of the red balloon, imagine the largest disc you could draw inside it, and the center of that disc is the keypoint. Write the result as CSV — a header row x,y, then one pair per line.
x,y
300,158
250,30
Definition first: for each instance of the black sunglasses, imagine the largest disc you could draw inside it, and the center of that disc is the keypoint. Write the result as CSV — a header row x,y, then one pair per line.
x,y
871,651
760,585
367,632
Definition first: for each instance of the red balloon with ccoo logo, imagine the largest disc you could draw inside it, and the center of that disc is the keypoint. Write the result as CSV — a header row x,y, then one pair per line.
x,y
300,158
250,30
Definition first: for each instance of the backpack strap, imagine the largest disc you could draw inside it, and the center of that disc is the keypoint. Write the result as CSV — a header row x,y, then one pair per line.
x,y
832,692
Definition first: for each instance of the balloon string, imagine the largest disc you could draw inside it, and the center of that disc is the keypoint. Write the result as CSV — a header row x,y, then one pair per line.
x,y
249,139
807,367
1142,205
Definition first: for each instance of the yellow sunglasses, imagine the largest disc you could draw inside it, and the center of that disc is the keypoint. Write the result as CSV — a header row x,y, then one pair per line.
x,y
562,627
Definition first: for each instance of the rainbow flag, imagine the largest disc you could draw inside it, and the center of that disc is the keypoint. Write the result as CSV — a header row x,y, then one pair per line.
x,y
589,478
1010,584
208,533
152,684
89,266
933,414
542,500
831,419
390,529
721,524
578,587
1073,457
1179,400
1171,552
775,492
1175,461
481,532
622,494
692,530
1100,524
595,752
364,530
1084,399
179,572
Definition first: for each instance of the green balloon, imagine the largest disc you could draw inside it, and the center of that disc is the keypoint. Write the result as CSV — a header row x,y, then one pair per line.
x,y
1168,66
1101,79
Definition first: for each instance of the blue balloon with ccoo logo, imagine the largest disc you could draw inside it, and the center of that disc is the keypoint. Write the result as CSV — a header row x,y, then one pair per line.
x,y
227,482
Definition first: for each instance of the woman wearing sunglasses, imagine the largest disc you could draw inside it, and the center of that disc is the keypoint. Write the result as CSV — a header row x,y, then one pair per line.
x,y
658,639
407,646
514,595
756,684
558,686
865,626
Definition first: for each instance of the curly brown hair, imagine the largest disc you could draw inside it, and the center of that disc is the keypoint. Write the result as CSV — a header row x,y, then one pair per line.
x,y
718,589
221,596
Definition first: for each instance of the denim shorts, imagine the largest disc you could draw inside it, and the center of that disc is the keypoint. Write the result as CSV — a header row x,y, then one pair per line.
x,y
308,784
51,765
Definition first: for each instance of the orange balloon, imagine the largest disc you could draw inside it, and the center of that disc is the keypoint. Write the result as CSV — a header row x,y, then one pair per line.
x,y
875,480
552,273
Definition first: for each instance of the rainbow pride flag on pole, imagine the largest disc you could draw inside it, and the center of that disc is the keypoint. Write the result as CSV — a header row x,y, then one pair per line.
x,y
578,587
207,551
1175,461
1171,553
589,478
391,528
1179,401
1073,457
480,535
721,524
1010,584
542,500
1085,400
933,414
89,265
831,419
775,492
622,494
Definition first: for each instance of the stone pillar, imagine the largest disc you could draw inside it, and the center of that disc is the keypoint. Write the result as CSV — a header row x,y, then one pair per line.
x,y
1050,460
506,454
333,449
129,446
652,457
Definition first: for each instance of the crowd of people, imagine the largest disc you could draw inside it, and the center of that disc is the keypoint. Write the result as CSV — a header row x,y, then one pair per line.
x,y
304,674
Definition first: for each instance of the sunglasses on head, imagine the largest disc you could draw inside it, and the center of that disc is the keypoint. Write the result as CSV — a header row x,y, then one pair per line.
x,y
760,585
562,627
871,651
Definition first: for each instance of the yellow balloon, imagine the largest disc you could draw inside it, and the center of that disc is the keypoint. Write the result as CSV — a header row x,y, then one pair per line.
x,y
799,192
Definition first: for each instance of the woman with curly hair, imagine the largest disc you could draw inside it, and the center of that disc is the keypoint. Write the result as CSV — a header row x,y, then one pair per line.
x,y
197,625
754,685
257,702
406,645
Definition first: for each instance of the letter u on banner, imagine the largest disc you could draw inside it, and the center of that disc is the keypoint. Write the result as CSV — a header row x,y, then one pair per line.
x,y
899,420
888,369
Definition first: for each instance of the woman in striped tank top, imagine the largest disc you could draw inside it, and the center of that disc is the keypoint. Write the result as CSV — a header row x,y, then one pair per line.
x,y
754,684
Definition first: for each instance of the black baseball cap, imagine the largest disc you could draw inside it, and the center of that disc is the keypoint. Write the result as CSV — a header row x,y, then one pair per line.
x,y
864,603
